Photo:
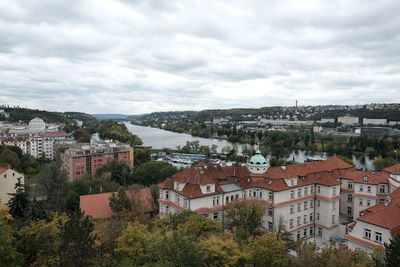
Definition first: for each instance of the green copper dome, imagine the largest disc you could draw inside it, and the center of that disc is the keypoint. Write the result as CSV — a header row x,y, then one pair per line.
x,y
258,160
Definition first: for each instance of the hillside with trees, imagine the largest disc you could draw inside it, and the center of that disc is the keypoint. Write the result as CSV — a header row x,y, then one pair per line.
x,y
25,114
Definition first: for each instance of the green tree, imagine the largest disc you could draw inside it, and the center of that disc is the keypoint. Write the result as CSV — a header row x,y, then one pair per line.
x,y
77,247
119,202
52,180
245,214
19,201
9,157
153,172
382,163
119,171
392,256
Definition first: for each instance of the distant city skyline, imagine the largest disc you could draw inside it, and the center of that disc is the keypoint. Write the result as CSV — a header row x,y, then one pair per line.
x,y
135,57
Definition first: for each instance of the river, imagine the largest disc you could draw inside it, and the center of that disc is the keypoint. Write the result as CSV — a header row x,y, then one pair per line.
x,y
159,139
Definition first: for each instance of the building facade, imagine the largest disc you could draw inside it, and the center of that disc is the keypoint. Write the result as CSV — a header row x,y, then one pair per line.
x,y
8,179
81,159
308,199
374,121
348,120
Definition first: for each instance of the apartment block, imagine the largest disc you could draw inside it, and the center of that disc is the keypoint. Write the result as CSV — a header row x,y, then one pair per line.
x,y
81,159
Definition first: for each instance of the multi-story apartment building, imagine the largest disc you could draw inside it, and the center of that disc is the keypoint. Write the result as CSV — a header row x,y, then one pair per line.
x,y
81,159
8,179
37,144
307,198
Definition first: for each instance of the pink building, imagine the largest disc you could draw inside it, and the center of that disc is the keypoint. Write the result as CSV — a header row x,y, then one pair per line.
x,y
80,159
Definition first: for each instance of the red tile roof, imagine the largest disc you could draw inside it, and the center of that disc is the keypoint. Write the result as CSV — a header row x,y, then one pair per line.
x,y
385,216
395,169
56,134
324,172
98,205
3,169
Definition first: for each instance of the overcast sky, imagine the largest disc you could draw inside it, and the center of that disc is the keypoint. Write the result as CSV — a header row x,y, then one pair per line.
x,y
139,56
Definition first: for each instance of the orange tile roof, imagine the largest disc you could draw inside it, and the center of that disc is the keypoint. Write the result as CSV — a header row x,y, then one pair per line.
x,y
98,205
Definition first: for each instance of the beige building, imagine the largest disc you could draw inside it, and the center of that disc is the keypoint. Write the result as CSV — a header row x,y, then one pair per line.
x,y
348,120
8,179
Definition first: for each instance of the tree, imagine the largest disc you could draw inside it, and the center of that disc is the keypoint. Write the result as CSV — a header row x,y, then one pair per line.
x,y
119,171
153,172
9,157
39,241
19,201
221,251
142,156
119,202
381,163
268,250
134,244
245,214
9,256
77,246
52,180
392,256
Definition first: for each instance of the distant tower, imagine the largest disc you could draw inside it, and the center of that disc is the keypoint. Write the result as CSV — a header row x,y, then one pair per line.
x,y
296,103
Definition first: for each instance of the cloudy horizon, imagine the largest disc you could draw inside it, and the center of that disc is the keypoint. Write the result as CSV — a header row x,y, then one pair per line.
x,y
142,56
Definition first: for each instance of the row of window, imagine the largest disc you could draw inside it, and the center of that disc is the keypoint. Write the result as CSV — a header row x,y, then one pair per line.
x,y
300,206
377,236
306,218
301,192
307,232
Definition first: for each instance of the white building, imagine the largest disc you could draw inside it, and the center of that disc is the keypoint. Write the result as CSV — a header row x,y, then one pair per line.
x,y
37,125
307,198
377,225
348,120
326,120
8,179
374,121
304,197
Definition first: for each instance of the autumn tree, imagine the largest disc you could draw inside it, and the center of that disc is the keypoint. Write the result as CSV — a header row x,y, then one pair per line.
x,y
221,250
9,256
268,250
39,241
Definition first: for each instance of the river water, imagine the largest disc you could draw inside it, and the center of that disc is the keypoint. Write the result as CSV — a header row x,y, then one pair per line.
x,y
159,139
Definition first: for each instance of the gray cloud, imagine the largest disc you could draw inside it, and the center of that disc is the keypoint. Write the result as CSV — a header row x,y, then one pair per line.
x,y
143,56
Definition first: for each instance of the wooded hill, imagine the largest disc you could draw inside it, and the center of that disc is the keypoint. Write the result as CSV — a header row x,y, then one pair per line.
x,y
25,114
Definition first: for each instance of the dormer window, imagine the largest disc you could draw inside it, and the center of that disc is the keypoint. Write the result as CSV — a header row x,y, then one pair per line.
x,y
291,181
208,188
365,179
